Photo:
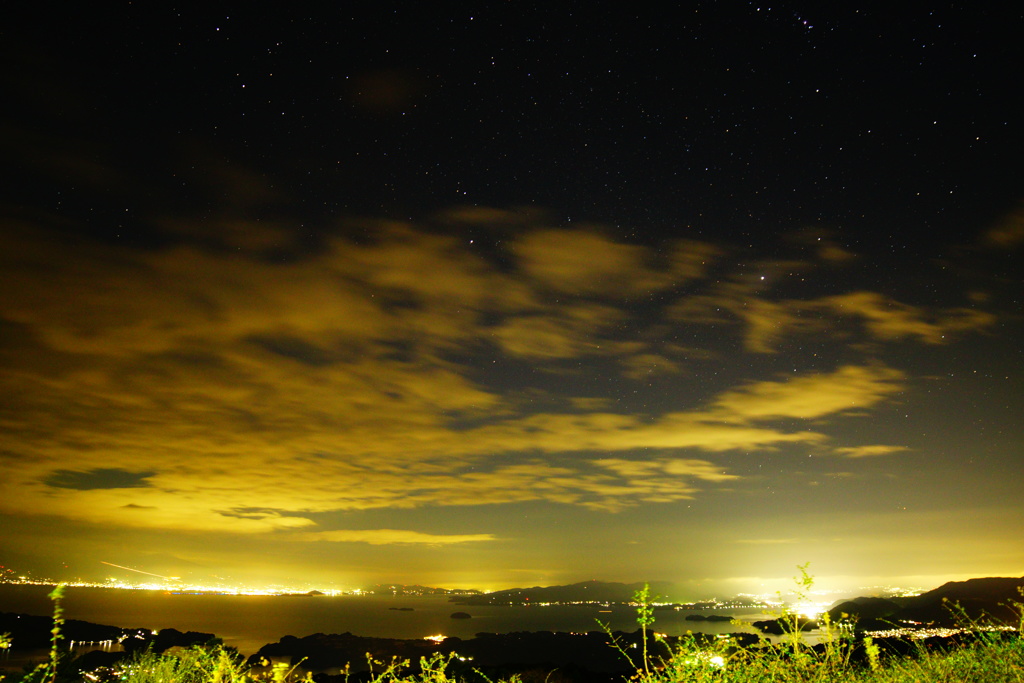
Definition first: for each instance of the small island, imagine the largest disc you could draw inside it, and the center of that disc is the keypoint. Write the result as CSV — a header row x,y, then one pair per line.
x,y
709,617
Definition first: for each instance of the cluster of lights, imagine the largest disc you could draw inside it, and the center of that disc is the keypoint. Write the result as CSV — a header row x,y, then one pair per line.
x,y
438,638
105,644
111,674
917,633
810,609
178,586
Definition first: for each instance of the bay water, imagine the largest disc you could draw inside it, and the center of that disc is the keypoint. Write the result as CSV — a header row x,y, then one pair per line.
x,y
249,622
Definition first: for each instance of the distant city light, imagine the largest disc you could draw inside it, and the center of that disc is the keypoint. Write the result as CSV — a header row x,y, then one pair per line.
x,y
811,610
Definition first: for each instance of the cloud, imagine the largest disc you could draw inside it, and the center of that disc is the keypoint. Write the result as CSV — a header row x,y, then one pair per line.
x,y
488,216
647,365
603,432
835,253
585,262
100,478
811,396
1009,233
257,513
764,323
198,388
767,323
567,333
388,537
590,404
890,320
869,451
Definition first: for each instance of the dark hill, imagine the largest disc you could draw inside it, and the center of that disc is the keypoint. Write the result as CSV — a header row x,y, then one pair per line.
x,y
984,599
991,588
864,608
869,614
981,600
30,632
35,632
585,591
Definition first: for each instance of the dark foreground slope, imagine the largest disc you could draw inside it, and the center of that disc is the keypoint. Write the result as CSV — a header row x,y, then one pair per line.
x,y
30,632
596,652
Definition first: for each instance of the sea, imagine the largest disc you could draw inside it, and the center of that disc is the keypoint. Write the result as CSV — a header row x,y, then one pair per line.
x,y
249,622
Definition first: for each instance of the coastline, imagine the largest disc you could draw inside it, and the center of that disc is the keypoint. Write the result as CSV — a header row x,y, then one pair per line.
x,y
250,622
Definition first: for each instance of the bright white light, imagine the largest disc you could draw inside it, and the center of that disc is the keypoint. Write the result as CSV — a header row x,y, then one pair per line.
x,y
811,610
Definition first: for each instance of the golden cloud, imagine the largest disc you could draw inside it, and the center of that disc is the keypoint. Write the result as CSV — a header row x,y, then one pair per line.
x,y
579,263
387,537
888,319
869,451
835,253
356,378
489,216
767,323
566,333
311,453
645,365
813,396
699,469
585,262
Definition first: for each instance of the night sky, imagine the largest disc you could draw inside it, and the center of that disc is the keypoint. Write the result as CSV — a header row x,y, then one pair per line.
x,y
507,295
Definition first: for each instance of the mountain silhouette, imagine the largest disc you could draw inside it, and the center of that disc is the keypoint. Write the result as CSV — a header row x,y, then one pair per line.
x,y
986,600
585,591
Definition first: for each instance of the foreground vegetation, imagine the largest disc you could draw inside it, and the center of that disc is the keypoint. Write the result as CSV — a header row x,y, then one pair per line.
x,y
978,655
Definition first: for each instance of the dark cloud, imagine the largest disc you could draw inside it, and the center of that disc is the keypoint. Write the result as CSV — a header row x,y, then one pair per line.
x,y
100,478
293,348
